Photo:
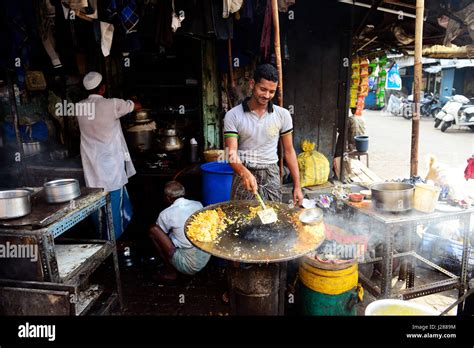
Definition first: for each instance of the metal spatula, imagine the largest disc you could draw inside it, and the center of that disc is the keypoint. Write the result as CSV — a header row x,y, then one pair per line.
x,y
267,215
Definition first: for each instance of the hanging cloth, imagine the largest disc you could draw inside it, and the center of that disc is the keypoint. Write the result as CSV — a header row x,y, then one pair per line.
x,y
175,20
230,6
469,172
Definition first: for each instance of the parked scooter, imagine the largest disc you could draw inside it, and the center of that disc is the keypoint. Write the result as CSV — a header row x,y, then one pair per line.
x,y
466,115
449,114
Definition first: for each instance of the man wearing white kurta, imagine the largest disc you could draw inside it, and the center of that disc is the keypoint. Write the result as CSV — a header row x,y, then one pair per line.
x,y
105,157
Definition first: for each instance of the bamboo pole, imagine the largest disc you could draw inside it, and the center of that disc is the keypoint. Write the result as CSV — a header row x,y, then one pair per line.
x,y
276,41
231,66
415,130
276,35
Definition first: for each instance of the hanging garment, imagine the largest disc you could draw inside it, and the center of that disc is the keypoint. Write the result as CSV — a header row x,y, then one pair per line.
x,y
164,32
126,10
85,9
107,35
175,20
247,11
75,4
129,17
23,29
223,27
284,4
230,6
47,14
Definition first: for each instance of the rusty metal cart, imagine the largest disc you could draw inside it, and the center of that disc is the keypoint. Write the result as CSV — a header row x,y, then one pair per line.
x,y
63,278
388,224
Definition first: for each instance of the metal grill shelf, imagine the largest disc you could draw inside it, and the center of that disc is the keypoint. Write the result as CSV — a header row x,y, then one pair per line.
x,y
390,224
57,282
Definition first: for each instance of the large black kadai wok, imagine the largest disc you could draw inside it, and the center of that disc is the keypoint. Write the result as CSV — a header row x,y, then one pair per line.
x,y
250,241
257,277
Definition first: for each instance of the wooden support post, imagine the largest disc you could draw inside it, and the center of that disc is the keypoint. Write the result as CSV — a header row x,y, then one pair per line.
x,y
415,133
276,35
276,29
231,65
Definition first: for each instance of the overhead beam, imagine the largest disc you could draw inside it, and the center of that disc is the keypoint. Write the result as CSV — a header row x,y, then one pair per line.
x,y
383,9
372,10
401,4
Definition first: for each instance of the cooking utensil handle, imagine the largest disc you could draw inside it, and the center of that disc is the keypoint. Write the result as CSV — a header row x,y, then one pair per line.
x,y
260,200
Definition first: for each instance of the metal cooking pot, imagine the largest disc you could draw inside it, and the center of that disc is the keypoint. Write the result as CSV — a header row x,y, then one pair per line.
x,y
168,132
63,190
142,115
15,203
140,140
31,148
169,140
393,196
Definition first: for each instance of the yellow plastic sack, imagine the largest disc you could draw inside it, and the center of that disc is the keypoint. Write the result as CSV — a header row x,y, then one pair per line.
x,y
314,166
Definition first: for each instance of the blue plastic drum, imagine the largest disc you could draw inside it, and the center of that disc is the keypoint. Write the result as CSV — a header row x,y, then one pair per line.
x,y
216,182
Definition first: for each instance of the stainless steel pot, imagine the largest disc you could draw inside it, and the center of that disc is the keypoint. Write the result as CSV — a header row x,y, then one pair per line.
x,y
140,140
142,116
393,196
168,132
14,203
31,148
63,190
169,140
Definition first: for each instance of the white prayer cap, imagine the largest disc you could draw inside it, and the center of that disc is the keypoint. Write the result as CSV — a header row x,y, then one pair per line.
x,y
92,80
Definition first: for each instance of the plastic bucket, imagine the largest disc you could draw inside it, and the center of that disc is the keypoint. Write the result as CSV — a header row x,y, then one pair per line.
x,y
426,197
398,307
216,182
362,143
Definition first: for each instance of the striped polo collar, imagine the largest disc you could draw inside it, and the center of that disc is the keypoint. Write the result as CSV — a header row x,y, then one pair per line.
x,y
247,109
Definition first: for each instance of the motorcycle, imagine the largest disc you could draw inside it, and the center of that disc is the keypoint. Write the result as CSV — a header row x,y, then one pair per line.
x,y
431,107
450,113
426,103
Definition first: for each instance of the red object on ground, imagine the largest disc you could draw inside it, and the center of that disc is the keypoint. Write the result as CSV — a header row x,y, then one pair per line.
x,y
469,172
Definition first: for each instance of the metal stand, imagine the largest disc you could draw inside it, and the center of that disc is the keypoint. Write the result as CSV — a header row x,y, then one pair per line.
x,y
61,281
358,154
407,223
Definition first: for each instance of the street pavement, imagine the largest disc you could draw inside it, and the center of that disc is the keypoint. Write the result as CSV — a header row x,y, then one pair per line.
x,y
390,143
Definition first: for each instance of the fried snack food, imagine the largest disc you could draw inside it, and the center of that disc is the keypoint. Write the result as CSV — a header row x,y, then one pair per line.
x,y
206,226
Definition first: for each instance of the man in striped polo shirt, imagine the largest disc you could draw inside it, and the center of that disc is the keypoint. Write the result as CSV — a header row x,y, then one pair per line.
x,y
252,131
